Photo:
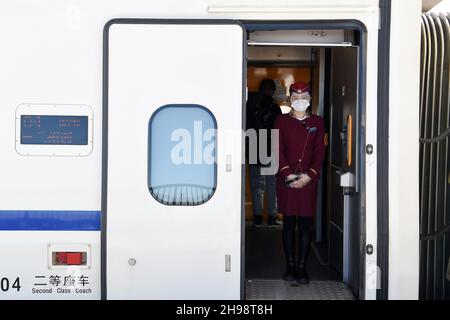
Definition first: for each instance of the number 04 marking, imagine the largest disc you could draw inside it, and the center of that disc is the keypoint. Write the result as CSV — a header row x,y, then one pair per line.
x,y
5,284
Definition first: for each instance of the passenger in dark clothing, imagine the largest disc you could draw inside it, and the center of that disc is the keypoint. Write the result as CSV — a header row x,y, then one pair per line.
x,y
261,114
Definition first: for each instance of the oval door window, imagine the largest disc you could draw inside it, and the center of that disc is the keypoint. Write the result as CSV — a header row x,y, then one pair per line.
x,y
182,166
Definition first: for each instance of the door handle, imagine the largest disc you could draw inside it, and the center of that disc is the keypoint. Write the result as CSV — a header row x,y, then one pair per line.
x,y
228,263
228,164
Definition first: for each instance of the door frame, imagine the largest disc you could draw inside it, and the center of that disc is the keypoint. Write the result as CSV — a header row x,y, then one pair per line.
x,y
383,147
338,120
246,25
105,103
261,25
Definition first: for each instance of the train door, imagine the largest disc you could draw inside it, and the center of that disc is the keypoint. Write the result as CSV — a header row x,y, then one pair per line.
x,y
344,213
172,171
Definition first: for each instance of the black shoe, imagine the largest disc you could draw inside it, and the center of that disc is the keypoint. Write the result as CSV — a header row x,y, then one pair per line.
x,y
302,276
257,221
289,275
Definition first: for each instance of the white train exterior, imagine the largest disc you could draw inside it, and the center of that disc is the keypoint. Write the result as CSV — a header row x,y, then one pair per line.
x,y
56,58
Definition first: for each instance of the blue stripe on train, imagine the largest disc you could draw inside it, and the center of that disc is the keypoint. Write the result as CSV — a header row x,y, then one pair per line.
x,y
50,220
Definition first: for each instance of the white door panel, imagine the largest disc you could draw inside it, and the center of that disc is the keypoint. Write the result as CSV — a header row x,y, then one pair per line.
x,y
179,250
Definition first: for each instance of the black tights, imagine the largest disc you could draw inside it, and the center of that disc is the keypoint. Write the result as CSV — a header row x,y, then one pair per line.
x,y
304,225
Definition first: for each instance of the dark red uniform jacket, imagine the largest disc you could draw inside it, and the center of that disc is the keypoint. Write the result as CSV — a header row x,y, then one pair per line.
x,y
293,136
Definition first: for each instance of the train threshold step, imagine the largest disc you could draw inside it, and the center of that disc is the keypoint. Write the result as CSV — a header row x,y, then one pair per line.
x,y
264,289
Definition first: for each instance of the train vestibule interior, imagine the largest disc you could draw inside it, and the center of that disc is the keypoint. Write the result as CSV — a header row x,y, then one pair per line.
x,y
329,61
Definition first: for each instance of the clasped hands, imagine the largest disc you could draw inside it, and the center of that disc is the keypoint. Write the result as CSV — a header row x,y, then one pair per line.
x,y
303,180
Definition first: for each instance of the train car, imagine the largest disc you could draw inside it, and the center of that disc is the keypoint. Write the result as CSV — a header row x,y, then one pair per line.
x,y
91,207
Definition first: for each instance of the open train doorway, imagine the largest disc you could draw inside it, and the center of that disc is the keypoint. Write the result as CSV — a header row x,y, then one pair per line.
x,y
329,60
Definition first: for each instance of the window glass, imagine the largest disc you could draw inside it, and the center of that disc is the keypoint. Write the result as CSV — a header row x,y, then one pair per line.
x,y
182,155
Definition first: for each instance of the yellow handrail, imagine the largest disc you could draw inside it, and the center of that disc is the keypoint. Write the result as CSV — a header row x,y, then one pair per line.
x,y
349,140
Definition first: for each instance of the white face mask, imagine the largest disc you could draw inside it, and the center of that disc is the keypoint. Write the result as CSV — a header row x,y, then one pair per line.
x,y
300,105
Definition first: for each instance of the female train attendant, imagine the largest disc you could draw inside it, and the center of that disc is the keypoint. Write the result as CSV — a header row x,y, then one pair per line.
x,y
301,154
